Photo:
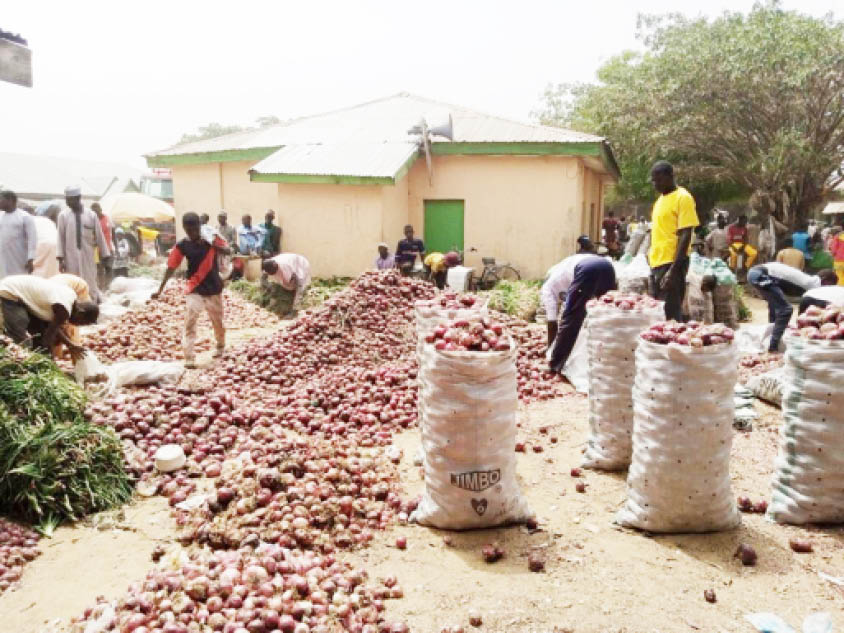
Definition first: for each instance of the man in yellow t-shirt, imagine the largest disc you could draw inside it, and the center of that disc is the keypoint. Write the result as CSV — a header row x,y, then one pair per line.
x,y
674,218
438,264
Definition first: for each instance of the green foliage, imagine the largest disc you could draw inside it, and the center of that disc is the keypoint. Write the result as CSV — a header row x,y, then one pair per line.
x,y
213,130
54,464
744,313
516,298
316,294
745,102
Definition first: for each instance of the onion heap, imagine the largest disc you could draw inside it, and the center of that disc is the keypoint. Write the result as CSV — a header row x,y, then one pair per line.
x,y
692,334
754,364
474,334
297,493
452,301
624,301
821,324
268,589
18,546
154,332
151,333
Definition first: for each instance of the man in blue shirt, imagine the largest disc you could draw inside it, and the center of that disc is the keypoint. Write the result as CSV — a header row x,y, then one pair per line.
x,y
407,250
800,240
249,238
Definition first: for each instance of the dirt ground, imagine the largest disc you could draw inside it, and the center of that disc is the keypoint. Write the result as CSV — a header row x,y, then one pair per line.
x,y
598,578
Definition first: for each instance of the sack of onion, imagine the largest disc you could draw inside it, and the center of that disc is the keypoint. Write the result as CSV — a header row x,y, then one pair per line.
x,y
468,391
808,485
613,325
679,477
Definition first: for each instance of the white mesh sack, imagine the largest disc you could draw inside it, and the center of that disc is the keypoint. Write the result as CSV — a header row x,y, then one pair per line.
x,y
808,483
612,335
470,466
679,477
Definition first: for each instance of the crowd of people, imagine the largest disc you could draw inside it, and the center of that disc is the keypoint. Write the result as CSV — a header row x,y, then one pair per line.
x,y
37,283
674,232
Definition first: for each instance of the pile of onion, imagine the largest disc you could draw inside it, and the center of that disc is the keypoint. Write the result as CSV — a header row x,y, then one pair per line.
x,y
691,334
473,334
18,546
624,301
821,324
298,493
261,590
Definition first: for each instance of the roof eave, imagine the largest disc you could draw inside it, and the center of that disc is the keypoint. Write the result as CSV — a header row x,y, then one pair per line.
x,y
336,179
220,156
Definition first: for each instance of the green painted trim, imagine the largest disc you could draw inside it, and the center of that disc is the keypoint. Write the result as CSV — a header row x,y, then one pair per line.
x,y
525,149
406,167
321,179
202,158
609,161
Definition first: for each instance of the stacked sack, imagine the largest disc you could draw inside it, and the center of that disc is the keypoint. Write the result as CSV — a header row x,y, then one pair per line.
x,y
432,312
679,477
613,325
808,485
468,392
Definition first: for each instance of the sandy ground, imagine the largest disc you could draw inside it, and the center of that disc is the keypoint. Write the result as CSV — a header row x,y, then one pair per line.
x,y
599,577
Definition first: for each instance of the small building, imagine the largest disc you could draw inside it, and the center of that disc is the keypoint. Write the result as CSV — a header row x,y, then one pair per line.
x,y
343,181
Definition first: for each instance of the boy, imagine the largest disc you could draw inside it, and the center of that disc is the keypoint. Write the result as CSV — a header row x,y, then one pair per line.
x,y
204,287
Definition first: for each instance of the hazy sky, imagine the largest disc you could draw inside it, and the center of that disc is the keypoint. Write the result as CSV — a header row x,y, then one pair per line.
x,y
113,80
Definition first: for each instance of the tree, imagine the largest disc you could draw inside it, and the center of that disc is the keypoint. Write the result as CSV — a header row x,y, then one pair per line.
x,y
213,130
751,101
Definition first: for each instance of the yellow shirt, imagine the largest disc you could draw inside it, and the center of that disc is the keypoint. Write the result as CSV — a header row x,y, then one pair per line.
x,y
672,212
436,262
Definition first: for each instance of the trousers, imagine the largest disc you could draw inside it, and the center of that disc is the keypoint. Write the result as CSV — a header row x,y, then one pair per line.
x,y
779,309
750,254
673,295
194,305
592,278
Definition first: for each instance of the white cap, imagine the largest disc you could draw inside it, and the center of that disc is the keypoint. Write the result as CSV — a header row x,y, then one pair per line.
x,y
72,190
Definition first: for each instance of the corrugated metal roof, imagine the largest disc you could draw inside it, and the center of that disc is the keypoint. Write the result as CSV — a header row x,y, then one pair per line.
x,y
384,121
47,176
379,160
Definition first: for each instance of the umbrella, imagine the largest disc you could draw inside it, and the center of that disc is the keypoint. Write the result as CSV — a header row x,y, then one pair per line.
x,y
834,208
129,206
43,207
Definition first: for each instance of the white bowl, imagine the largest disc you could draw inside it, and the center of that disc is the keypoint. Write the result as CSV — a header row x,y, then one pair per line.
x,y
169,457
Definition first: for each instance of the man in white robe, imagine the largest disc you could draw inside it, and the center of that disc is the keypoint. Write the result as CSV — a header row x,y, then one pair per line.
x,y
79,234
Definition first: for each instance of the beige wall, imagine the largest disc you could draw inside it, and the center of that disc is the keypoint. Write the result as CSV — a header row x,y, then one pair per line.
x,y
520,209
215,186
336,227
593,199
241,196
525,210
395,212
196,188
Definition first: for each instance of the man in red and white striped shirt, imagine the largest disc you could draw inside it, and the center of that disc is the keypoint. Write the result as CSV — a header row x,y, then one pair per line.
x,y
204,287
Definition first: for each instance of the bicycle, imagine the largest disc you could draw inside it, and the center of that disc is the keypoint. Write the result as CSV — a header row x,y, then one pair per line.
x,y
493,273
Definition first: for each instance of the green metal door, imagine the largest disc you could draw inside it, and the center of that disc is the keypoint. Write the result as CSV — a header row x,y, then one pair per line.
x,y
443,225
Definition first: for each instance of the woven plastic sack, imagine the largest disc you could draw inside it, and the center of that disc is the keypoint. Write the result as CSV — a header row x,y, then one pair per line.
x,y
808,484
726,305
612,335
133,372
470,465
634,276
768,386
679,477
698,304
